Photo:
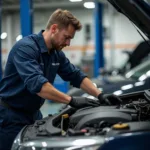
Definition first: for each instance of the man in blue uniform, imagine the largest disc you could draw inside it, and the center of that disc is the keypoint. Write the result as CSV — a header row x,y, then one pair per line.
x,y
30,71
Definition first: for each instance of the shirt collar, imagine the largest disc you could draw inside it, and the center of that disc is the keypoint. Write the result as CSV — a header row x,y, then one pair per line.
x,y
42,42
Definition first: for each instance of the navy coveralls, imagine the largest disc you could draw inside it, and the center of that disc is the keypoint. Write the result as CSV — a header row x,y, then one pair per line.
x,y
28,67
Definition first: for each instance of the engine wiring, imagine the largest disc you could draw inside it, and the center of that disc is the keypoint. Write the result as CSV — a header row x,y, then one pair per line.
x,y
142,108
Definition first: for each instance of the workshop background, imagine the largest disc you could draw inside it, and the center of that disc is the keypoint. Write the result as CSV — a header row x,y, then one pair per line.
x,y
105,35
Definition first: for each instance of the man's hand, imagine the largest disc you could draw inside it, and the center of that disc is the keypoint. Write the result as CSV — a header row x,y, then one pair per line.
x,y
80,102
109,99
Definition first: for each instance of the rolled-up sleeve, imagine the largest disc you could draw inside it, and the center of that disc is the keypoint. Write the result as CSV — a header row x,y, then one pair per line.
x,y
28,68
69,72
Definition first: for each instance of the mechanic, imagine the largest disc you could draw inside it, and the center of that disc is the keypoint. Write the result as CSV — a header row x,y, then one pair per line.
x,y
30,71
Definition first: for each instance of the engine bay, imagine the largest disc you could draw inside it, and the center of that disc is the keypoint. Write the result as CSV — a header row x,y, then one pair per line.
x,y
133,115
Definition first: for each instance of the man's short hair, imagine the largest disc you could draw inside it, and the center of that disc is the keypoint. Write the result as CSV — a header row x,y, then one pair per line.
x,y
63,18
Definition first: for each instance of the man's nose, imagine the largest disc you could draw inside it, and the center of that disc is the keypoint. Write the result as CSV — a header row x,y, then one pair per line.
x,y
68,42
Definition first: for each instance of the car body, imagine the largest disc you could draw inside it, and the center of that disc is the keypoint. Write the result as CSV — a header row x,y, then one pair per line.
x,y
125,126
137,79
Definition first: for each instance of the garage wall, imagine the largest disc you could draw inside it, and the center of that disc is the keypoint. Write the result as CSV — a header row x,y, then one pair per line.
x,y
125,37
124,34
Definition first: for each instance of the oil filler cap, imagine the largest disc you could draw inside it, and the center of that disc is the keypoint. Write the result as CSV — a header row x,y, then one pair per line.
x,y
65,116
120,126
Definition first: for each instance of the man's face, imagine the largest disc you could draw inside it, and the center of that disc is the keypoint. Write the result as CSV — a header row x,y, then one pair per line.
x,y
62,37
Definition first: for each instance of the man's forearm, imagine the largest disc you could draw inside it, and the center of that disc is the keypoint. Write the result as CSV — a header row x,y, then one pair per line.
x,y
89,87
49,92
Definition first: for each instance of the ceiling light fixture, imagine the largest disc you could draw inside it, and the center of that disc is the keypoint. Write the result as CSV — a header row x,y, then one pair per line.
x,y
89,5
75,0
3,35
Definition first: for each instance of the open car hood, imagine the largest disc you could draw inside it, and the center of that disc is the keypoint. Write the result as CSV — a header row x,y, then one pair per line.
x,y
138,11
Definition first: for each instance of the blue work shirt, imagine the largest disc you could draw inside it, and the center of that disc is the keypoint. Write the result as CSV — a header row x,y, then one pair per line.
x,y
28,67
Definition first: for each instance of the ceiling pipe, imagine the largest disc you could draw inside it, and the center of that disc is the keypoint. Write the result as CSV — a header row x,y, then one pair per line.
x,y
43,5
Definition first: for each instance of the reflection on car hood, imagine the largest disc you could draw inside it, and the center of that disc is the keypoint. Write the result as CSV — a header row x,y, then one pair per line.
x,y
138,11
117,78
103,80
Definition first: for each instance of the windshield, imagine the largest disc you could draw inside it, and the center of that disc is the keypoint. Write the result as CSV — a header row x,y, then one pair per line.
x,y
141,72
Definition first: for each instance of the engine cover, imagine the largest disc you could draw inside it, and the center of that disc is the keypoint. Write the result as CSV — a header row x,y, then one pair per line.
x,y
111,114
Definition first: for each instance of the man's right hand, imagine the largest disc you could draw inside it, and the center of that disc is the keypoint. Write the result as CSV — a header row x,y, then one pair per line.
x,y
80,102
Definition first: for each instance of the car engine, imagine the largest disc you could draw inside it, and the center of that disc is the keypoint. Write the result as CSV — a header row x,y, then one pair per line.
x,y
133,115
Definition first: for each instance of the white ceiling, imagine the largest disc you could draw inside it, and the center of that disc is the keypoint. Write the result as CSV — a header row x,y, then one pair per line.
x,y
41,4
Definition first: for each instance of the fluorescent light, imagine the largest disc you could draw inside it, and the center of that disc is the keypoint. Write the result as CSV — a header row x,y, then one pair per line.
x,y
75,0
89,5
3,35
19,37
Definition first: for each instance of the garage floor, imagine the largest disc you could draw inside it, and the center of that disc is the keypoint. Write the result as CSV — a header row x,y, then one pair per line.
x,y
50,108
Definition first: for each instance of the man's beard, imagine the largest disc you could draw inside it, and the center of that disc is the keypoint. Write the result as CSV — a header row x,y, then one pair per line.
x,y
55,46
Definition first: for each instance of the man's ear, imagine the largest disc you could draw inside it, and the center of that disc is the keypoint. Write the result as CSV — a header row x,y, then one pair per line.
x,y
54,28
